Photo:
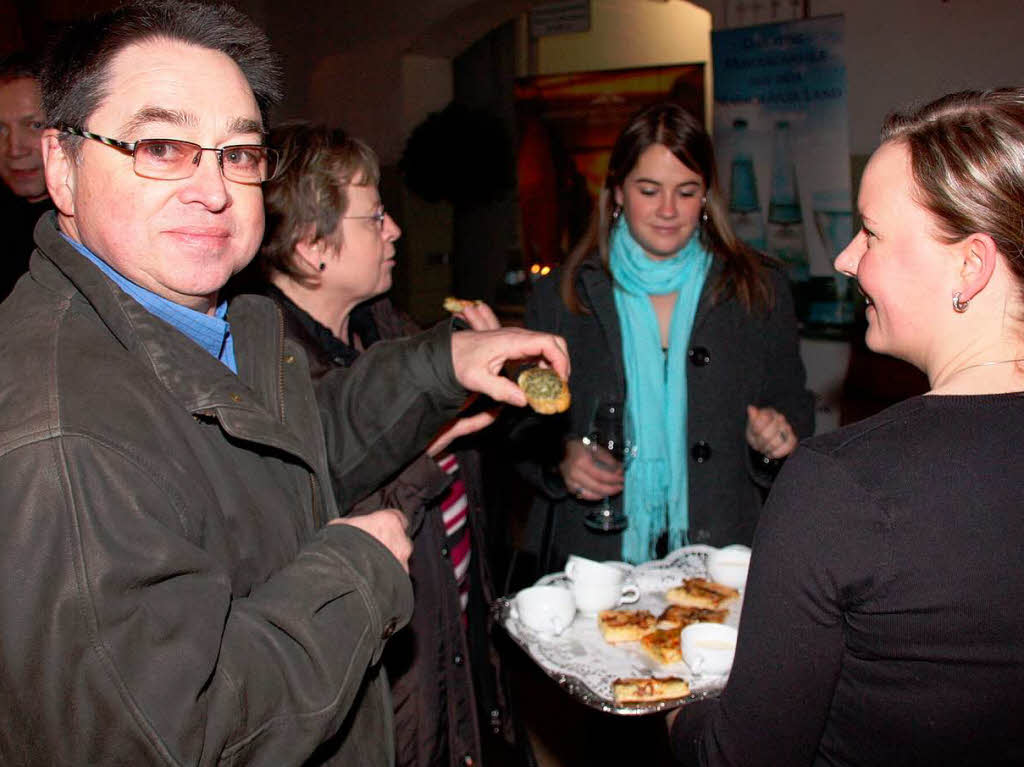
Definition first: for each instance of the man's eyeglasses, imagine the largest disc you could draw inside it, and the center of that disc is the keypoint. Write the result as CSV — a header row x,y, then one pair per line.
x,y
379,217
171,160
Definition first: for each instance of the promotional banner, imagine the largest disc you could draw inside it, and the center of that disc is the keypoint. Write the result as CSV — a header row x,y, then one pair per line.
x,y
781,136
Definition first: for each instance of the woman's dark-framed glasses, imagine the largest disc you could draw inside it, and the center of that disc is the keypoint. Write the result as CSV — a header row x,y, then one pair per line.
x,y
168,159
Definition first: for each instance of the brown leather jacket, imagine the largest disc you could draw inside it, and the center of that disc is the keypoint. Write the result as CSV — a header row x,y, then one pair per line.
x,y
169,593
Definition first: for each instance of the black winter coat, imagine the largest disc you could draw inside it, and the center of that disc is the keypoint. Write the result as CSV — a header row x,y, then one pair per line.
x,y
433,669
735,357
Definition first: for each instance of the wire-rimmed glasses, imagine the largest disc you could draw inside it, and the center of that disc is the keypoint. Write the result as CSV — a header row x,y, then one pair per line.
x,y
379,217
167,159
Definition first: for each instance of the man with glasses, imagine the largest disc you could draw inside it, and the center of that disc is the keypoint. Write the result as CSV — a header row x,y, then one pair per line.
x,y
23,197
175,585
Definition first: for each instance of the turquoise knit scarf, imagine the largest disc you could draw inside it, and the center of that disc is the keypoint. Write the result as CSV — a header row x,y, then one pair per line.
x,y
655,496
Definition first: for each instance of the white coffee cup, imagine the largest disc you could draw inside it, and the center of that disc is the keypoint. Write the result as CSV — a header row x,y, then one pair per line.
x,y
729,565
598,586
595,597
583,570
708,648
547,610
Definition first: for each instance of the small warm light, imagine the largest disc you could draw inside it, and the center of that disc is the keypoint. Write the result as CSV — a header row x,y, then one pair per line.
x,y
545,270
535,269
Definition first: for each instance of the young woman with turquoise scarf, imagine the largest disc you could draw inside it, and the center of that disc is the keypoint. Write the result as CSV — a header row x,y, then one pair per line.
x,y
666,311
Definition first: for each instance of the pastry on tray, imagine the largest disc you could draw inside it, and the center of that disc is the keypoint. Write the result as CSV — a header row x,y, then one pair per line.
x,y
625,625
679,616
663,645
649,689
700,592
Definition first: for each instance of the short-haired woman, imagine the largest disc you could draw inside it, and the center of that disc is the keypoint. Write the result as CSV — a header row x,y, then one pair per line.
x,y
327,257
882,620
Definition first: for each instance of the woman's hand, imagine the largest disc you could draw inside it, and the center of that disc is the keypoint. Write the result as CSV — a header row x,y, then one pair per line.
x,y
480,317
460,427
589,479
769,432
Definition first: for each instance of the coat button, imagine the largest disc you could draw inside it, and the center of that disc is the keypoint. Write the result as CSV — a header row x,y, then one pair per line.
x,y
444,551
701,451
389,628
699,356
236,397
289,359
458,659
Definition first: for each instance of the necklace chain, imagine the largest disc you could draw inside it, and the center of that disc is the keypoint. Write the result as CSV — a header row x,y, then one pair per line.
x,y
987,364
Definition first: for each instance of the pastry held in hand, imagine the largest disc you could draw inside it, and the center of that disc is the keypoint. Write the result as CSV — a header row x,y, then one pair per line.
x,y
649,689
700,592
545,391
456,305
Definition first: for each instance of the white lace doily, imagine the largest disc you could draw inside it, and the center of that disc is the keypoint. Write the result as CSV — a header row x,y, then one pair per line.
x,y
585,665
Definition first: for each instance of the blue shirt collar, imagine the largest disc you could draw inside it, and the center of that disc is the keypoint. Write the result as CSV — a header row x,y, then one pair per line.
x,y
213,333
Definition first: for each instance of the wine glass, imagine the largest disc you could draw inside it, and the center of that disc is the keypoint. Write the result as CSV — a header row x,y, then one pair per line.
x,y
609,432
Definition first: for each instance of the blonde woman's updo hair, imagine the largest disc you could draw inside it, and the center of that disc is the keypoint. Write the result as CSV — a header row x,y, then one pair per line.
x,y
309,194
967,160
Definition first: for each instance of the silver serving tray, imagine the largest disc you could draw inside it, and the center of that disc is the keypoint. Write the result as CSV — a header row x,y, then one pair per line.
x,y
584,665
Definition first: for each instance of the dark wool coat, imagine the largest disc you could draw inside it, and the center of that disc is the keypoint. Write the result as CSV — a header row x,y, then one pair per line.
x,y
735,358
433,669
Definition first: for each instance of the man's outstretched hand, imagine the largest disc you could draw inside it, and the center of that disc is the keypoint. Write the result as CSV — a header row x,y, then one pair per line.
x,y
479,356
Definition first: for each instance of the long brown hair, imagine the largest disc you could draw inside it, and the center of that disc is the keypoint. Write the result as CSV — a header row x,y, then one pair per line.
x,y
967,158
670,125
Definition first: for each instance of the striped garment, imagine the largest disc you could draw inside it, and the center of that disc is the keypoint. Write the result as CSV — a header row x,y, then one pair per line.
x,y
454,511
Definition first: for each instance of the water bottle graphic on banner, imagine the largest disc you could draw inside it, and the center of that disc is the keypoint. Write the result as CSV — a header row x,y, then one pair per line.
x,y
785,236
744,207
832,304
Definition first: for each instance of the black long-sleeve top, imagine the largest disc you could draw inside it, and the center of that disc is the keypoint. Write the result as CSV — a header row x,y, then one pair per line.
x,y
883,622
